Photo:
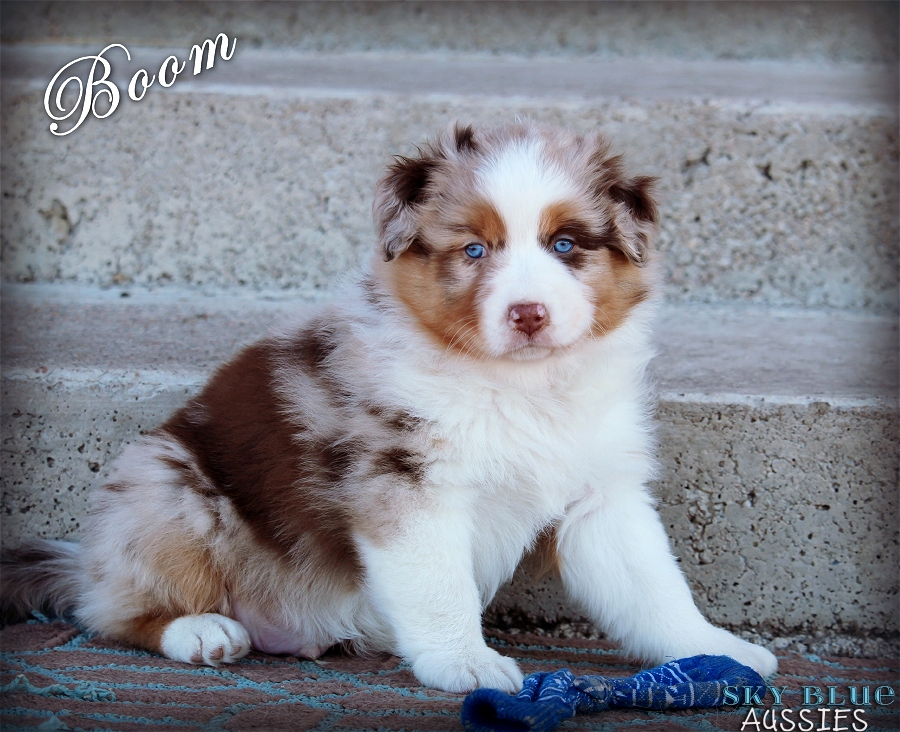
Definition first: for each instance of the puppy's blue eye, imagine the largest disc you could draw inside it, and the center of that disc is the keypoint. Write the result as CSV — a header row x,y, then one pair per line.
x,y
563,246
476,251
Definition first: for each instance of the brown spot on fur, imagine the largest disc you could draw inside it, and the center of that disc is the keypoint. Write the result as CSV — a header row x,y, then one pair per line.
x,y
146,631
185,581
334,461
464,137
196,411
374,410
403,422
282,488
311,351
190,475
193,585
401,462
115,487
313,347
371,294
395,421
542,560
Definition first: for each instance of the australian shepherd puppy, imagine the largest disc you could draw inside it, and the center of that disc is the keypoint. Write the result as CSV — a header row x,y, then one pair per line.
x,y
373,474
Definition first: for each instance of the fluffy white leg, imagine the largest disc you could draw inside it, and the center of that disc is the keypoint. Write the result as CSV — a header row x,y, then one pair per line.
x,y
422,582
616,562
208,639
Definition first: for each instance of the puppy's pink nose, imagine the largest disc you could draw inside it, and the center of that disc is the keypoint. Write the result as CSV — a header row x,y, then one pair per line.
x,y
528,317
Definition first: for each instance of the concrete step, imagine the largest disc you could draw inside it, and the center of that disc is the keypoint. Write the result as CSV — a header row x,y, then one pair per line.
x,y
817,31
778,438
778,179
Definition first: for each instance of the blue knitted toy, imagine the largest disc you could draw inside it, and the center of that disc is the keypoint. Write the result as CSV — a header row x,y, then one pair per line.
x,y
547,699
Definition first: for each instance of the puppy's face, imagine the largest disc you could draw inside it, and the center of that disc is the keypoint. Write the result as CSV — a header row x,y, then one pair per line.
x,y
515,243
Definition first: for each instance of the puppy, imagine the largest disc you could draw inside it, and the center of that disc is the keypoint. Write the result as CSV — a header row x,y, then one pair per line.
x,y
375,473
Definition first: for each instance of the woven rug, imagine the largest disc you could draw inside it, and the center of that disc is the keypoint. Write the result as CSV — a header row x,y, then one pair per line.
x,y
55,677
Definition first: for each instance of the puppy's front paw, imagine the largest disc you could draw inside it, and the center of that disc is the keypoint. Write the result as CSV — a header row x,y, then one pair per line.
x,y
208,639
718,642
756,657
467,670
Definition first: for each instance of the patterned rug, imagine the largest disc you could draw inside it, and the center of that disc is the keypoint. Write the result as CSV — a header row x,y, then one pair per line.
x,y
55,677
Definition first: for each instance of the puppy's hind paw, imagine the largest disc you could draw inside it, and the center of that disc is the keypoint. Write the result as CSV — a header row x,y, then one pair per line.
x,y
467,670
208,639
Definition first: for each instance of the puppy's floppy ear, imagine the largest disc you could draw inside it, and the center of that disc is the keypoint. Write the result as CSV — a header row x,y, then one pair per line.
x,y
397,195
634,206
640,214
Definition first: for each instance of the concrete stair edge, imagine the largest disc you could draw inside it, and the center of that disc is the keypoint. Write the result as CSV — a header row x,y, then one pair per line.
x,y
721,352
826,87
817,31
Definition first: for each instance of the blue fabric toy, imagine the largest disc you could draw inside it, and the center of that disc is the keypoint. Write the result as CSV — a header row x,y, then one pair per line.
x,y
547,699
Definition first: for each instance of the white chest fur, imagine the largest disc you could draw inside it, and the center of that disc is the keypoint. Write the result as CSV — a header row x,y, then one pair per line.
x,y
516,447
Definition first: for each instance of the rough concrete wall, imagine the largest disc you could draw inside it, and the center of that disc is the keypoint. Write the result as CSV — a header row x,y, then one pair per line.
x,y
59,445
804,518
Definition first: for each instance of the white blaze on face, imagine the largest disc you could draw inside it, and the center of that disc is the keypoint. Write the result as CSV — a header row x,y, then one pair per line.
x,y
520,185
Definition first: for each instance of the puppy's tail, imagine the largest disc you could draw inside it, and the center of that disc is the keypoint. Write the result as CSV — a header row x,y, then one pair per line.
x,y
39,575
